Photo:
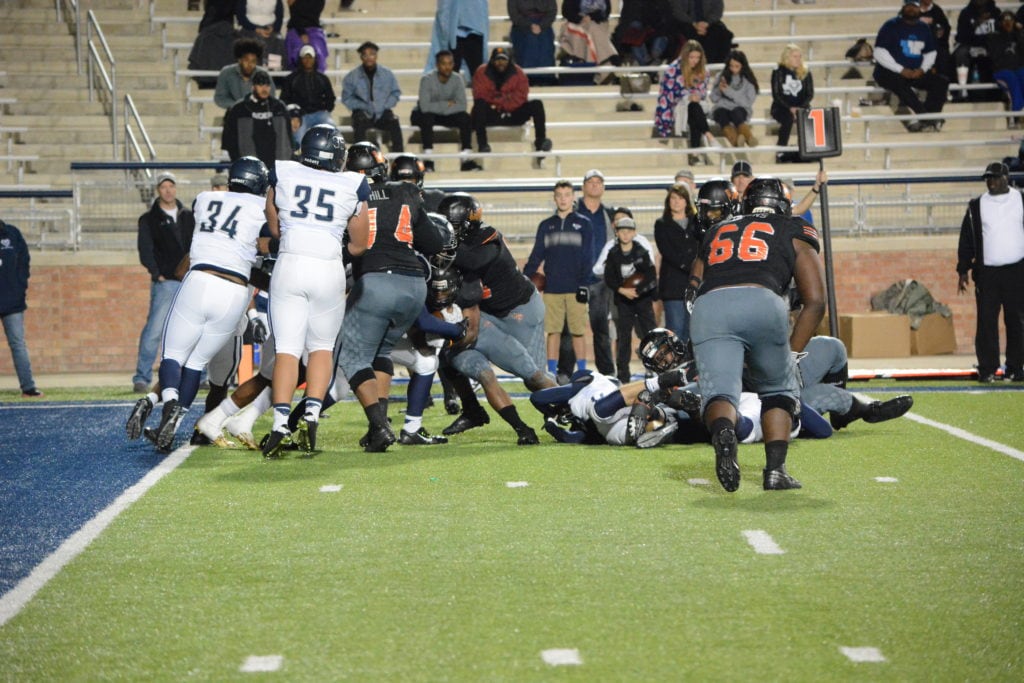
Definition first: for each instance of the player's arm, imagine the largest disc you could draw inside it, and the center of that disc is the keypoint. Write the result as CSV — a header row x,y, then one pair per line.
x,y
472,316
182,268
273,222
359,231
810,282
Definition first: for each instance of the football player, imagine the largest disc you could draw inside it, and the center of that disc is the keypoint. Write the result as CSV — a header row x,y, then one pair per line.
x,y
409,168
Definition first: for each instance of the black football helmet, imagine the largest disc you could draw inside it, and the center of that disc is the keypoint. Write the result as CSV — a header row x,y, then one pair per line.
x,y
463,211
661,350
716,201
407,167
366,158
444,258
250,175
444,286
323,147
767,194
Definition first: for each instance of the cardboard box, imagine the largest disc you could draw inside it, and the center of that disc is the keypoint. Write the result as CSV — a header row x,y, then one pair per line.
x,y
875,335
933,336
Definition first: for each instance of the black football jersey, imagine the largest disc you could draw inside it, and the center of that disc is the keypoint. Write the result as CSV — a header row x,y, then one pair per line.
x,y
755,249
485,257
397,220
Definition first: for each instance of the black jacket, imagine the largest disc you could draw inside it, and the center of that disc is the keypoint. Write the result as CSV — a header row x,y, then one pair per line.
x,y
259,128
311,90
970,252
678,247
14,261
163,242
621,265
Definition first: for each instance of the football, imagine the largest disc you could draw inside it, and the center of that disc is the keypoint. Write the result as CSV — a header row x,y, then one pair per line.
x,y
634,280
539,280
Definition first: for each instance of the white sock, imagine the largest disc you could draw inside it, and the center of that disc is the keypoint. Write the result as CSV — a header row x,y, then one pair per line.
x,y
153,398
412,423
169,395
228,407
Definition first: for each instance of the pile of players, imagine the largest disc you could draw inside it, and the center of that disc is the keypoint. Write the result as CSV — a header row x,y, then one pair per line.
x,y
365,275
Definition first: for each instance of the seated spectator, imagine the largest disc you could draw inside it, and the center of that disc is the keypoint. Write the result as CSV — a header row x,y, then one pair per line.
x,y
933,16
687,80
701,20
647,32
585,35
212,49
304,29
371,92
311,91
533,39
234,83
463,27
1006,50
501,98
905,61
442,102
977,21
733,100
258,125
261,20
792,89
629,272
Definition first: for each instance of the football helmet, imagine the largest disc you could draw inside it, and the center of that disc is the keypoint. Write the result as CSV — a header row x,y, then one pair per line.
x,y
767,195
716,201
463,211
365,157
250,175
407,167
444,286
446,256
661,350
323,147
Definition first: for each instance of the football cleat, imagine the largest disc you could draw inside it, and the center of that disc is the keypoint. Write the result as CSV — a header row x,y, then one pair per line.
x,y
779,480
379,439
467,420
151,435
420,438
199,439
686,401
636,422
880,411
274,443
726,466
305,435
658,436
137,420
527,437
169,421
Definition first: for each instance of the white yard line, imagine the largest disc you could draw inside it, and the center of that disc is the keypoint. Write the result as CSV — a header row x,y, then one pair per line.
x,y
762,542
15,599
863,654
562,657
261,663
968,436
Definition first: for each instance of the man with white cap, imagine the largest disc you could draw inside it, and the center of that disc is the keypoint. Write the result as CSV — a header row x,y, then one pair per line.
x,y
311,91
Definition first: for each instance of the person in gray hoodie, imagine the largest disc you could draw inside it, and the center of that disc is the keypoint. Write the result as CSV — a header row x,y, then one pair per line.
x,y
733,98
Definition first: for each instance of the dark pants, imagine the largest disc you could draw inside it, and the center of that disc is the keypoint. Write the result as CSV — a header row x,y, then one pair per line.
x,y
363,121
716,42
995,288
638,316
597,309
934,85
471,49
426,122
697,122
484,116
784,116
730,117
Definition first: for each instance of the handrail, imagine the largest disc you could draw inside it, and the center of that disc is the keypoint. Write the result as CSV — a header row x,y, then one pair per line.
x,y
131,144
110,81
77,26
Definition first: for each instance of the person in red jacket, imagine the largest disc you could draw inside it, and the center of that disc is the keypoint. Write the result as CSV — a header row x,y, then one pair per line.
x,y
500,98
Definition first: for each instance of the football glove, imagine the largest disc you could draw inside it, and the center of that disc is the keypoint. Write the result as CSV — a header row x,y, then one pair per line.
x,y
258,328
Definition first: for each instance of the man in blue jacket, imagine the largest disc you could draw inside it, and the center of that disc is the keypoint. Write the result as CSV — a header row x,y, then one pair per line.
x,y
14,261
371,92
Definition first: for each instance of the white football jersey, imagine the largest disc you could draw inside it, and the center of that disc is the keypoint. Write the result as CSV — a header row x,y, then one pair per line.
x,y
314,207
227,227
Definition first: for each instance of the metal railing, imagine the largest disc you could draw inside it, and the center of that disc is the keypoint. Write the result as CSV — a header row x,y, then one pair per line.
x,y
97,70
132,150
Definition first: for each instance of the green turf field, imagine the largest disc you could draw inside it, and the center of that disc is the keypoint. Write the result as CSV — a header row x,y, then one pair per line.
x,y
426,565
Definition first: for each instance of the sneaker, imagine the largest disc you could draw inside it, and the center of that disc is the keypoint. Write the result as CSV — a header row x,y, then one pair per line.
x,y
420,438
658,436
380,439
466,421
274,443
726,466
169,421
305,435
779,480
428,166
470,165
937,125
914,126
527,437
880,411
543,145
137,420
32,393
485,149
140,388
987,379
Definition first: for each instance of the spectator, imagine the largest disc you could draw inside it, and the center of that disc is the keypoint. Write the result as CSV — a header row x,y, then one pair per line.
x,y
646,33
685,176
591,206
564,246
258,126
687,79
212,49
261,20
992,249
629,272
461,26
733,100
1006,50
977,21
905,56
678,239
304,29
371,92
234,83
803,208
442,101
933,16
500,98
311,91
701,20
533,39
742,174
792,89
165,236
14,274
219,182
586,26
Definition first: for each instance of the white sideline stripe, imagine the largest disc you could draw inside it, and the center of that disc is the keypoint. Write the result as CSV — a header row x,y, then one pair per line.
x,y
517,484
261,663
967,436
562,657
15,599
863,654
886,480
762,543
697,481
330,488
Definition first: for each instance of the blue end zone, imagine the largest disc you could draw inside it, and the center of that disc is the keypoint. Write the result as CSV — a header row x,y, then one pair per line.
x,y
60,464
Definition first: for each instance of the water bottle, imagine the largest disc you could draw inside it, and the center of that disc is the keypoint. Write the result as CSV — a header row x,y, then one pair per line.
x,y
975,77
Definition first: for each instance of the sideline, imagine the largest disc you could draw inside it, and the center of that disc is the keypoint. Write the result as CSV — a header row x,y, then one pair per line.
x,y
15,599
968,436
